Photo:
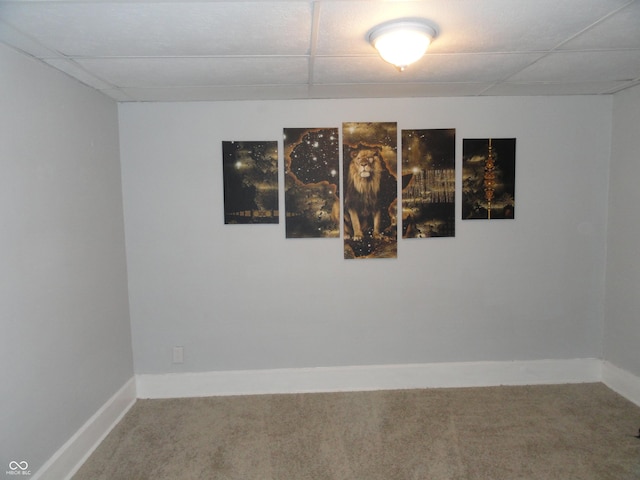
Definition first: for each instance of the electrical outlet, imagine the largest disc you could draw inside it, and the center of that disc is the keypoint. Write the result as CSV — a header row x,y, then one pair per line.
x,y
178,354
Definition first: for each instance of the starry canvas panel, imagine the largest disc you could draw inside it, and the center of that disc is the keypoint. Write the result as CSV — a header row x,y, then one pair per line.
x,y
488,178
370,172
250,171
312,182
429,183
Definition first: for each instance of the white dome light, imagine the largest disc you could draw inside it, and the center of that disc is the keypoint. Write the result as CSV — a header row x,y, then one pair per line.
x,y
403,42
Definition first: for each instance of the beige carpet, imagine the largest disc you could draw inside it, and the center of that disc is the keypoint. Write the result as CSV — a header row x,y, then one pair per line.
x,y
558,432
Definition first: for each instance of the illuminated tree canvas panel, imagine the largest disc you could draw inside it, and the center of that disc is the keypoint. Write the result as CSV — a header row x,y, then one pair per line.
x,y
370,170
488,178
250,171
312,182
429,183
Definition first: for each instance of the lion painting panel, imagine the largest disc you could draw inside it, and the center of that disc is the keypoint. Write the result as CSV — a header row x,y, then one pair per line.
x,y
369,193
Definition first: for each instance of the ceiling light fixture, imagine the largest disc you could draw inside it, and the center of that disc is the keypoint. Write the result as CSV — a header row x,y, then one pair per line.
x,y
402,42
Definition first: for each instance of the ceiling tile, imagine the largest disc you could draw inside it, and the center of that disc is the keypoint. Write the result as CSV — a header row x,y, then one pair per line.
x,y
165,28
430,68
543,88
193,94
625,85
463,25
395,90
621,30
576,67
172,72
20,41
73,69
117,94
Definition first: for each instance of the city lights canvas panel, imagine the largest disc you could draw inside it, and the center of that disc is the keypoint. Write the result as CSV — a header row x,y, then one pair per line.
x,y
488,178
250,172
429,183
312,182
370,166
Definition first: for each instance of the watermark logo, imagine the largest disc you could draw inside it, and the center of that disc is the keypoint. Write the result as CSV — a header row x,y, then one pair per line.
x,y
18,468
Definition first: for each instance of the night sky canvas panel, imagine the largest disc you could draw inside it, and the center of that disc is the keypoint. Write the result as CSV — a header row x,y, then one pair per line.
x,y
370,170
312,180
488,178
429,183
250,171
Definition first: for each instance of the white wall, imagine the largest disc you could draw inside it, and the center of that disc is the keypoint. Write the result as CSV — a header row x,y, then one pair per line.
x,y
244,297
65,341
622,317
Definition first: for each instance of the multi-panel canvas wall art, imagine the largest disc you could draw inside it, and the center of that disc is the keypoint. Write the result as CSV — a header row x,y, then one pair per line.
x,y
312,182
370,189
428,169
250,171
488,178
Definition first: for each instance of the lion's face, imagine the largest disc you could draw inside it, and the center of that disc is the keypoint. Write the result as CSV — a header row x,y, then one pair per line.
x,y
365,171
365,162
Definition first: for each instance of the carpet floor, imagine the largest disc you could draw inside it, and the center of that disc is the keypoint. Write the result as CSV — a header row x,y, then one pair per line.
x,y
550,432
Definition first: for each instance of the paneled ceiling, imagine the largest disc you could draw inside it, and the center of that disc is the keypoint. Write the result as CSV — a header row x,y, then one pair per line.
x,y
236,50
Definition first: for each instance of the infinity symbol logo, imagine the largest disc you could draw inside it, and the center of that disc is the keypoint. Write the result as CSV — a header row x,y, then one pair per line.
x,y
18,465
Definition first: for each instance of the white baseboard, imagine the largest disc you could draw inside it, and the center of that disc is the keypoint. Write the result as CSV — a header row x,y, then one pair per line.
x,y
622,382
70,457
362,378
